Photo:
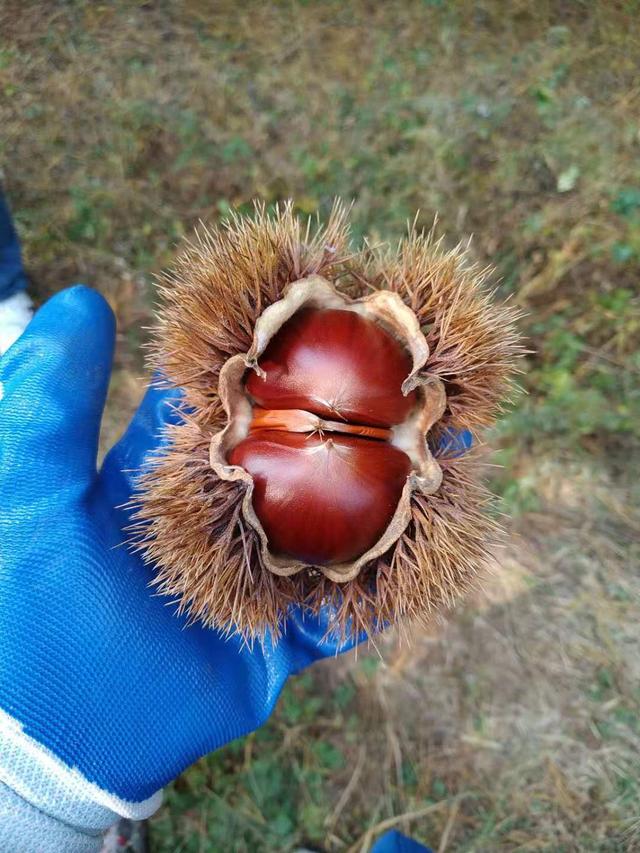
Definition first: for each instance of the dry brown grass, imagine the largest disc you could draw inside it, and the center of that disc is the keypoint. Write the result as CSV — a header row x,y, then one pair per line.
x,y
522,711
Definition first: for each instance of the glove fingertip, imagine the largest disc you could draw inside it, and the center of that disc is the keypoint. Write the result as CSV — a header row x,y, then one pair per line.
x,y
314,638
54,382
82,306
73,328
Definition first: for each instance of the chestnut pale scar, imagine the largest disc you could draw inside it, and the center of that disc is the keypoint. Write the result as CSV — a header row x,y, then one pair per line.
x,y
299,420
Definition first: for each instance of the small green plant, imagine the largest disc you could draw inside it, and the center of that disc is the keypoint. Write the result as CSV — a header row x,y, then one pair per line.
x,y
269,791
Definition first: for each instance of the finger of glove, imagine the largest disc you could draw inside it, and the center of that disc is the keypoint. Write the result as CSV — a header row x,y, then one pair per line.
x,y
310,637
53,385
453,442
145,435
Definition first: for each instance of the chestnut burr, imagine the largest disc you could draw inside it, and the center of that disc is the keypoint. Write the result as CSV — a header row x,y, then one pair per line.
x,y
310,466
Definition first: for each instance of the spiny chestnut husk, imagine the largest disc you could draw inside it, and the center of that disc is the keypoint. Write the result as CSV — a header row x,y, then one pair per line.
x,y
316,462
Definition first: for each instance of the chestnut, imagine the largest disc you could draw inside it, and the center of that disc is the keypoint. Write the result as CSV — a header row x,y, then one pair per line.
x,y
336,364
327,421
322,494
322,498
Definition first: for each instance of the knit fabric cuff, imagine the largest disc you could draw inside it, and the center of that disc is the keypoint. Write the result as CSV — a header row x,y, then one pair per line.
x,y
25,829
41,792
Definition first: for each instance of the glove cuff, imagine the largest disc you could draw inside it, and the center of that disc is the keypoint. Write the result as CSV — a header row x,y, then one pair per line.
x,y
39,780
25,829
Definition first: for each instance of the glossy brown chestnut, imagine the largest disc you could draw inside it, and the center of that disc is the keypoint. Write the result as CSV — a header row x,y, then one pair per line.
x,y
323,499
327,479
336,364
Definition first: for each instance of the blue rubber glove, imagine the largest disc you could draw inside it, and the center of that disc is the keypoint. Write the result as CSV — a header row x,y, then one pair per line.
x,y
102,686
395,842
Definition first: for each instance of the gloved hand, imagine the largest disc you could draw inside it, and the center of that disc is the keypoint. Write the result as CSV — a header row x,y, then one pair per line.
x,y
104,691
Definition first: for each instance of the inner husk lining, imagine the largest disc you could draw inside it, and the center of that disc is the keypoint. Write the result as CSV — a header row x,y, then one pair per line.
x,y
388,310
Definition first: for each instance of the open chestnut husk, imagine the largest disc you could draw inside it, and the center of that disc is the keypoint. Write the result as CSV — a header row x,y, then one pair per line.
x,y
318,459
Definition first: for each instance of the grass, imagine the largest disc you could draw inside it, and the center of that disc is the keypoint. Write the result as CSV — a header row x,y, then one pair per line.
x,y
514,726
